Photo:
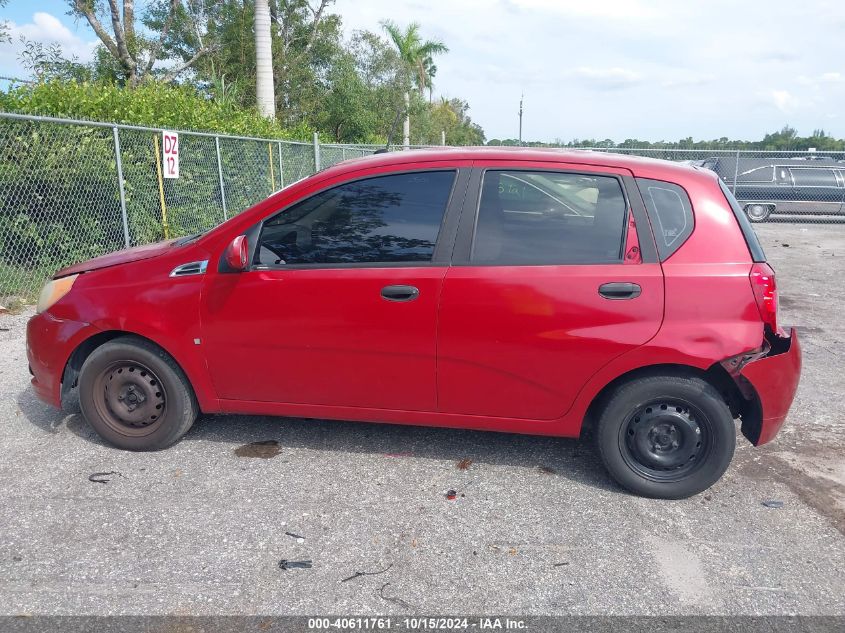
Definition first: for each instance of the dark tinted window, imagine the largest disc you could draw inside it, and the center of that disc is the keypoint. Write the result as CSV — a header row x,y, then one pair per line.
x,y
670,211
758,174
543,217
386,219
814,177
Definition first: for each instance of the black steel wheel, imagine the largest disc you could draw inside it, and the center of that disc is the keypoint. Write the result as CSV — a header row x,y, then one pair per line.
x,y
666,436
135,395
130,398
666,440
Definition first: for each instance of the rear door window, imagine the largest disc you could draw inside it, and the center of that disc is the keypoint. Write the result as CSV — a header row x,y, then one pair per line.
x,y
814,177
670,212
549,218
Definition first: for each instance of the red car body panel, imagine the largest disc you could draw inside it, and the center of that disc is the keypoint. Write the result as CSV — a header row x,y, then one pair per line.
x,y
775,380
518,341
323,337
517,349
125,256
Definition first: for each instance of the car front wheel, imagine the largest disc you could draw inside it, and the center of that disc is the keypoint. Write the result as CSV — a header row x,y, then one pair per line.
x,y
135,395
667,437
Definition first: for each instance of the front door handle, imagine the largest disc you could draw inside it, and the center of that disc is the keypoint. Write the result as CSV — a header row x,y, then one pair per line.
x,y
400,293
620,290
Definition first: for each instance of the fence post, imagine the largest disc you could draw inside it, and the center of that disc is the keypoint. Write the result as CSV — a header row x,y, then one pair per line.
x,y
736,173
220,176
120,187
272,173
316,152
164,224
281,167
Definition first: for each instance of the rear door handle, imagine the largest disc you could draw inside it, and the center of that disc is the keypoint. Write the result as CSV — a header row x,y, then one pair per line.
x,y
400,293
620,290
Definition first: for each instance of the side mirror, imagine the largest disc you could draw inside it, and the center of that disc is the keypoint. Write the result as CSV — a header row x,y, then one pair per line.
x,y
237,254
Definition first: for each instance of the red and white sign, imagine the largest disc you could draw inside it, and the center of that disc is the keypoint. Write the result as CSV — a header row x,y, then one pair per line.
x,y
170,154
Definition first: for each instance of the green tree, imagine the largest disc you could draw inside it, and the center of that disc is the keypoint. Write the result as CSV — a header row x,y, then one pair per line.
x,y
416,56
135,53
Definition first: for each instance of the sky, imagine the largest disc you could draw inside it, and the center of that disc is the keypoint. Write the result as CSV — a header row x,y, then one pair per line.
x,y
646,69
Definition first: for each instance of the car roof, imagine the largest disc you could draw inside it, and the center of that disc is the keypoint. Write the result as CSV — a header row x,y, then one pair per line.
x,y
636,164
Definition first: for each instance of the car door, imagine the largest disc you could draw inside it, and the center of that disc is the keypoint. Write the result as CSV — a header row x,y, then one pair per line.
x,y
840,178
339,305
550,281
817,188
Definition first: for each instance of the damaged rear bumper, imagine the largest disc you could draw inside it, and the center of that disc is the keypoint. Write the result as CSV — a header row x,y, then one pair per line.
x,y
768,381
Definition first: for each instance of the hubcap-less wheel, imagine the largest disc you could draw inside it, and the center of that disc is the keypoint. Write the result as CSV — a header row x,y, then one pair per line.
x,y
130,398
757,212
665,440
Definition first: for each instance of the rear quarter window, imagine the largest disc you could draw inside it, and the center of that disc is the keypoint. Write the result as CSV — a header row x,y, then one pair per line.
x,y
670,212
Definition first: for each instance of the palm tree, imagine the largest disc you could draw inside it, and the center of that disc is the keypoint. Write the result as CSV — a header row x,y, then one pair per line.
x,y
264,94
417,58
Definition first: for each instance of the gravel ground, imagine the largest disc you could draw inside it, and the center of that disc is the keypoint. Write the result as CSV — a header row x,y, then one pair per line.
x,y
537,526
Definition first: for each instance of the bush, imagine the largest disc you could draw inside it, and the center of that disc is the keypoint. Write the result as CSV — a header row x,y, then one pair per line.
x,y
59,197
151,104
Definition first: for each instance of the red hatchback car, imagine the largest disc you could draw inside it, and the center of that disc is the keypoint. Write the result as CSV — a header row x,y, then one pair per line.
x,y
505,290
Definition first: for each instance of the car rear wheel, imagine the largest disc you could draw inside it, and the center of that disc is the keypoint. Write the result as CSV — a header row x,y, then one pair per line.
x,y
668,437
758,212
135,395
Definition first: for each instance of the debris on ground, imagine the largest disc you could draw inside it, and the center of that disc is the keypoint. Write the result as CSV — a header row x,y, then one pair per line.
x,y
358,574
286,564
773,503
464,464
299,539
394,600
261,450
103,478
561,564
547,470
451,495
785,245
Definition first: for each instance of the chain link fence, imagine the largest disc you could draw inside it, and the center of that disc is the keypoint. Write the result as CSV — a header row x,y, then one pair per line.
x,y
771,186
72,190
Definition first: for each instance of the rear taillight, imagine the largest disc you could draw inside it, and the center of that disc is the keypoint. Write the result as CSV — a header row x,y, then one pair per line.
x,y
765,293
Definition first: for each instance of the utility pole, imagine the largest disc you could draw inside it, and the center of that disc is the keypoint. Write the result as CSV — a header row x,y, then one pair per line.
x,y
520,119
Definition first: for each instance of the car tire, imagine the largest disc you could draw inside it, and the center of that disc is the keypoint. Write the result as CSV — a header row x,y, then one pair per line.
x,y
758,212
666,437
135,396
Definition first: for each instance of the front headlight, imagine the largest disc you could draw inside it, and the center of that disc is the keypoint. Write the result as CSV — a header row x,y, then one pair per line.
x,y
53,291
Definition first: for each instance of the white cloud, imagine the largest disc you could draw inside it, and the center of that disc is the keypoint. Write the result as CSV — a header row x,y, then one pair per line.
x,y
789,103
46,29
602,9
685,79
820,80
607,78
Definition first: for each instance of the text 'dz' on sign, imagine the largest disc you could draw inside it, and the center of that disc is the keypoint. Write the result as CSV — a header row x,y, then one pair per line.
x,y
170,154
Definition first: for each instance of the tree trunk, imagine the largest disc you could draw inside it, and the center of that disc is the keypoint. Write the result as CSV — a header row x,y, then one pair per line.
x,y
406,126
264,60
